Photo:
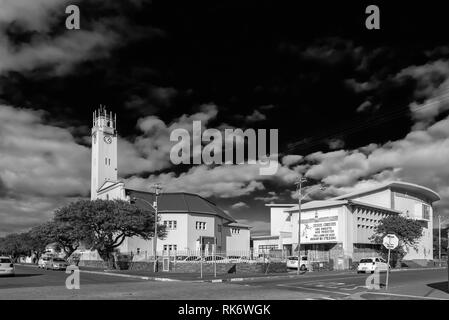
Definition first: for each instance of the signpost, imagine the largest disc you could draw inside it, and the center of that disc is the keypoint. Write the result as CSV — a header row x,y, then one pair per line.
x,y
390,242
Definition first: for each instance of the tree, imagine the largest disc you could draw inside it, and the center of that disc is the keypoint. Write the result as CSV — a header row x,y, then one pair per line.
x,y
15,245
64,234
407,230
103,225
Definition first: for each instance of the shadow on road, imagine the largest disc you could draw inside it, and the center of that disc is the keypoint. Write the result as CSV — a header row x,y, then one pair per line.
x,y
442,286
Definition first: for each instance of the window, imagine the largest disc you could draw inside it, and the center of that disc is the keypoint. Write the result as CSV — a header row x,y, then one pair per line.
x,y
170,224
199,225
267,247
219,228
426,211
170,247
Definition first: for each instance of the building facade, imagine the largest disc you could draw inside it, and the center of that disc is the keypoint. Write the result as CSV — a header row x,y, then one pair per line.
x,y
192,222
340,228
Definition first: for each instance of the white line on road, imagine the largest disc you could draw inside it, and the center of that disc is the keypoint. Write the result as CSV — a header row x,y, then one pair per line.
x,y
296,287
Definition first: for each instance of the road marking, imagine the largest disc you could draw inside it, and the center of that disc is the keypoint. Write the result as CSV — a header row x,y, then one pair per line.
x,y
403,295
312,289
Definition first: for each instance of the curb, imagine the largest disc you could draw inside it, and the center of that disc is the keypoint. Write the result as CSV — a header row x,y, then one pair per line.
x,y
128,276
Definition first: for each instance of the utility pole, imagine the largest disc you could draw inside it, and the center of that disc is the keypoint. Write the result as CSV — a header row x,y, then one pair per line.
x,y
157,189
154,205
300,198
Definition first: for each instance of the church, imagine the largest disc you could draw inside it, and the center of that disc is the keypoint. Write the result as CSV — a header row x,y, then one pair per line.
x,y
192,222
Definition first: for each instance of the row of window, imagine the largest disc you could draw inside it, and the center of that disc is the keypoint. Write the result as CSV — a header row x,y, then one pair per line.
x,y
170,247
170,224
199,225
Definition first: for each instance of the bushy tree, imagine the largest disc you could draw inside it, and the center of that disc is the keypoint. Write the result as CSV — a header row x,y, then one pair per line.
x,y
407,230
103,225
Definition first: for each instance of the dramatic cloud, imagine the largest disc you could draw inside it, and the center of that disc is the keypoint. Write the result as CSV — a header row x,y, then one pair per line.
x,y
41,166
239,205
150,151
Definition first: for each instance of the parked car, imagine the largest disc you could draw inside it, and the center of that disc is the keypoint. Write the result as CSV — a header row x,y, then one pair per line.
x,y
181,258
236,259
292,263
56,264
191,259
42,261
372,264
215,259
6,267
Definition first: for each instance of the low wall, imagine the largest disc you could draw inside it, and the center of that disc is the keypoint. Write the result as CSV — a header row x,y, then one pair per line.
x,y
222,268
193,267
92,263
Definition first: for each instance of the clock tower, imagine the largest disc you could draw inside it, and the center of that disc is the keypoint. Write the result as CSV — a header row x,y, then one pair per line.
x,y
104,150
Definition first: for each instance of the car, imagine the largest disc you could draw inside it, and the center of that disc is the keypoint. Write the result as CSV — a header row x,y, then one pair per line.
x,y
191,259
292,263
372,264
236,259
56,264
42,261
181,258
215,259
6,267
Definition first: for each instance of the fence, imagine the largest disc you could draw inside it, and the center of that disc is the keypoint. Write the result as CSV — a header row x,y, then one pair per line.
x,y
206,256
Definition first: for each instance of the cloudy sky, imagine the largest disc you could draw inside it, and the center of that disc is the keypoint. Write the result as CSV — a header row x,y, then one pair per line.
x,y
354,108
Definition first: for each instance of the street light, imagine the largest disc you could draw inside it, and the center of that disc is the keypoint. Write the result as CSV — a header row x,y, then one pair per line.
x,y
300,198
157,190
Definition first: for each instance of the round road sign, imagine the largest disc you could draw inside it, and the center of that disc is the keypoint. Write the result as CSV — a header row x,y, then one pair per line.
x,y
390,241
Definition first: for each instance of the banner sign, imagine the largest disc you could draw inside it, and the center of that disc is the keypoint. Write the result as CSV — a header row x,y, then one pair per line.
x,y
320,230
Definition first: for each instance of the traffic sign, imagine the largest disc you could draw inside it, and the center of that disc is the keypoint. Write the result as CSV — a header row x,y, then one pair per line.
x,y
390,241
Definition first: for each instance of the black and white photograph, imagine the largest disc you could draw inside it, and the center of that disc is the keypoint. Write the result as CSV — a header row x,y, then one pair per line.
x,y
231,151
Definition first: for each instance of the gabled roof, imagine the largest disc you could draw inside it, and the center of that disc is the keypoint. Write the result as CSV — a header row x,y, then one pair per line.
x,y
404,186
238,224
179,202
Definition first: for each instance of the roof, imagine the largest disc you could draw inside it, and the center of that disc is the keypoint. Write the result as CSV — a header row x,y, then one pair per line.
x,y
318,204
238,224
280,205
264,237
335,203
404,186
180,202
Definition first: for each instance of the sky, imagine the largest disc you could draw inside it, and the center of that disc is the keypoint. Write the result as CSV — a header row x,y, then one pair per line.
x,y
354,108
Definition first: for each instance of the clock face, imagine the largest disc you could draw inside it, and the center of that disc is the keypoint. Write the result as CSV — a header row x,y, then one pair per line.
x,y
107,139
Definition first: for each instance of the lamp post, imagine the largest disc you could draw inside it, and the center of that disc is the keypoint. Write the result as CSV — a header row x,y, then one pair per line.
x,y
300,198
157,190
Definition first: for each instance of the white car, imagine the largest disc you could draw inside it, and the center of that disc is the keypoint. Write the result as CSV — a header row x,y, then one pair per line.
x,y
292,263
372,264
6,267
43,262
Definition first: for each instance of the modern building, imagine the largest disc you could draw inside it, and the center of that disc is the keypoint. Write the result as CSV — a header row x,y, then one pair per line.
x,y
340,228
192,222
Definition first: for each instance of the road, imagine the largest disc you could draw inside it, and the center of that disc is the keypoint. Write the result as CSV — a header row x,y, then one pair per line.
x,y
33,283
432,282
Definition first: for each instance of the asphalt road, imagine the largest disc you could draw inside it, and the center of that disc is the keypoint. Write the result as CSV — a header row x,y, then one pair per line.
x,y
346,284
33,277
33,283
